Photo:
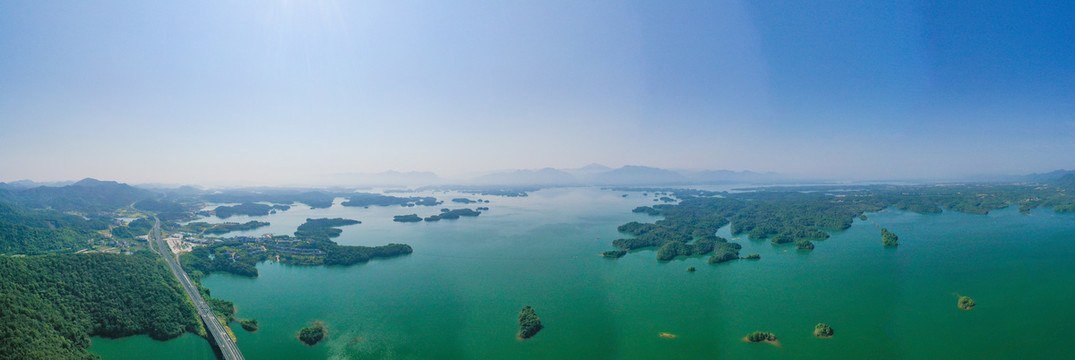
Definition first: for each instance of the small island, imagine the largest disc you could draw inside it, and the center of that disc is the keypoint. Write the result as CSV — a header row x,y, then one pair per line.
x,y
965,303
804,245
311,335
888,238
753,257
761,336
407,218
446,214
529,323
822,331
463,201
615,254
250,325
368,199
249,209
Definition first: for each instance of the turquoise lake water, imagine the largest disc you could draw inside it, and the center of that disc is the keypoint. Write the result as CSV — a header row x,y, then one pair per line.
x,y
458,295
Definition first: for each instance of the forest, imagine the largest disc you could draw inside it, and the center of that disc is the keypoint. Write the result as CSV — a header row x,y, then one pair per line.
x,y
51,305
31,232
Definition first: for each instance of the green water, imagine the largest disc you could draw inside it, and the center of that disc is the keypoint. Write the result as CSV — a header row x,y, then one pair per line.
x,y
458,295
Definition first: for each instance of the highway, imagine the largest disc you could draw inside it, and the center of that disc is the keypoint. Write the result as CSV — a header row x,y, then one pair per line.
x,y
212,323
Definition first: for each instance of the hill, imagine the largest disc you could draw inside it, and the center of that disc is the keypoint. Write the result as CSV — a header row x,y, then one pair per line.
x,y
88,195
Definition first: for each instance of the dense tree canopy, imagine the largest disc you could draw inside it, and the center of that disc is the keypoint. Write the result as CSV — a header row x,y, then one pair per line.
x,y
888,238
51,305
29,232
311,335
249,209
322,229
529,323
759,336
407,218
965,303
822,330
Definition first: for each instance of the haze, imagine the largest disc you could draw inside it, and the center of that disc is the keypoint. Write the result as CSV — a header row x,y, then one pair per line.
x,y
282,92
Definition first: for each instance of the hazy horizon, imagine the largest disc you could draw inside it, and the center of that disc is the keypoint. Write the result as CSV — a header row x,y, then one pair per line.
x,y
289,93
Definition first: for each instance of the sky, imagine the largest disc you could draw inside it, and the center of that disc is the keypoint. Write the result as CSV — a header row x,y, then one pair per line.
x,y
288,92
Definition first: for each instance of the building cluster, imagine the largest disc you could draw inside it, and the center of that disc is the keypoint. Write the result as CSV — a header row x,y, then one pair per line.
x,y
255,245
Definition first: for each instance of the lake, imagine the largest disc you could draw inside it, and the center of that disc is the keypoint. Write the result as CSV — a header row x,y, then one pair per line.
x,y
459,294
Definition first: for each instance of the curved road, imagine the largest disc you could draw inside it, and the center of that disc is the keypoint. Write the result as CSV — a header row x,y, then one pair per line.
x,y
212,323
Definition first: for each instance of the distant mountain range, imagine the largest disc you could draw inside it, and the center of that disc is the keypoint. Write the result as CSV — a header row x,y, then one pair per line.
x,y
387,178
86,193
596,174
1047,177
27,184
593,174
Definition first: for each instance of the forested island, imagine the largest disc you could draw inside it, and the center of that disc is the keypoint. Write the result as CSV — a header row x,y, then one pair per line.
x,y
311,335
822,330
446,214
965,303
368,199
407,218
761,336
888,238
529,323
250,325
248,209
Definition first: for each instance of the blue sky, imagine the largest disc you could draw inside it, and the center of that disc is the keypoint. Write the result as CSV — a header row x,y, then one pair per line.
x,y
228,92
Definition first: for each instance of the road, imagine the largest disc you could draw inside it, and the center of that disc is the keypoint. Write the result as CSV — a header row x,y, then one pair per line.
x,y
212,323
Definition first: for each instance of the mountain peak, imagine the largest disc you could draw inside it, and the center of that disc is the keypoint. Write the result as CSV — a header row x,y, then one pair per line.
x,y
91,182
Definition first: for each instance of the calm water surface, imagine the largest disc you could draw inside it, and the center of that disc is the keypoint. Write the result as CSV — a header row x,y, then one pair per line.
x,y
458,295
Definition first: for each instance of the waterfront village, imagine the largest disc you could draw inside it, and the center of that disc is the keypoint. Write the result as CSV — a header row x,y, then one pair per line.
x,y
183,242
